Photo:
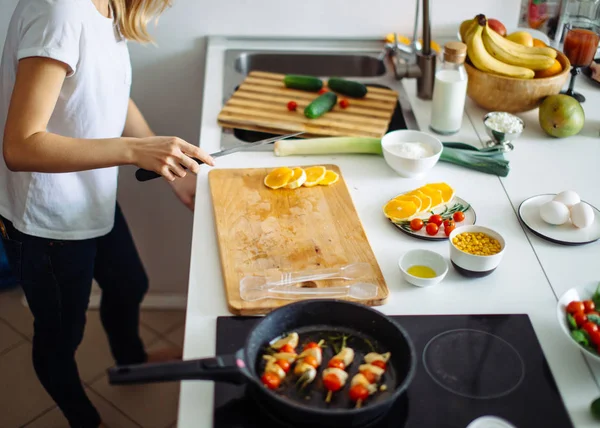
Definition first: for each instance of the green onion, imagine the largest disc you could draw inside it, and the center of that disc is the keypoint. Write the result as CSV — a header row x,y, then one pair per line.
x,y
330,145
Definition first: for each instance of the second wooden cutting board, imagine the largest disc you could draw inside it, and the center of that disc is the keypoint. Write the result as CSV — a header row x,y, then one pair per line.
x,y
263,230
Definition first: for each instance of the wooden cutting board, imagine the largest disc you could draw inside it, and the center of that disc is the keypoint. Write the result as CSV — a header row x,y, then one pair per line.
x,y
260,104
260,229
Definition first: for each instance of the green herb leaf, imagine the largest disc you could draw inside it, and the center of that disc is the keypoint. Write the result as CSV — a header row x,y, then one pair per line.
x,y
596,296
571,321
580,337
594,318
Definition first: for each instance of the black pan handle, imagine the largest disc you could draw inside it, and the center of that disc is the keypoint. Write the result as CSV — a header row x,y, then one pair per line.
x,y
146,175
225,368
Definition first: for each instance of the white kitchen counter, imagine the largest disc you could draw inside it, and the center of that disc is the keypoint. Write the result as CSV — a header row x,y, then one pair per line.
x,y
528,280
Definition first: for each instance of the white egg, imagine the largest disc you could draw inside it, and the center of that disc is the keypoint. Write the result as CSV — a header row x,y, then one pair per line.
x,y
582,215
568,197
554,213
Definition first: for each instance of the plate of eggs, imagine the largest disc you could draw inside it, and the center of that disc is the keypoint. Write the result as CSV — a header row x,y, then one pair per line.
x,y
561,218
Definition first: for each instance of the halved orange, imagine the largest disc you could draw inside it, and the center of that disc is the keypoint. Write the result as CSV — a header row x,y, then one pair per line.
x,y
330,178
400,210
411,198
278,178
314,175
434,194
297,179
445,188
426,201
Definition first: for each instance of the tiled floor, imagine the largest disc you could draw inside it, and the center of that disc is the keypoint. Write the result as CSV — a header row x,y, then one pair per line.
x,y
25,403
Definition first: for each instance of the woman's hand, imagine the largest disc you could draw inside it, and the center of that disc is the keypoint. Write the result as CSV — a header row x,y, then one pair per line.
x,y
167,156
185,189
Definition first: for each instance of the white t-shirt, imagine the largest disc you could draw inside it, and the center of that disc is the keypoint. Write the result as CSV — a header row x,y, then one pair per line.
x,y
92,104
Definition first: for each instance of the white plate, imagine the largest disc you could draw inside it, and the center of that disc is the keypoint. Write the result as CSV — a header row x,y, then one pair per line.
x,y
580,294
566,234
469,220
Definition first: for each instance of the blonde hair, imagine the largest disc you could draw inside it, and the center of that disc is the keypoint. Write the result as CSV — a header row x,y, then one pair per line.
x,y
133,16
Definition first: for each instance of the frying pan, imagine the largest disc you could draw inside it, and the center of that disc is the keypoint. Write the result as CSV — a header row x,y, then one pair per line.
x,y
311,319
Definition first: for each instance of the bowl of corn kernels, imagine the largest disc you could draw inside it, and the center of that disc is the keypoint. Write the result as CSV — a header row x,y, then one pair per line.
x,y
476,251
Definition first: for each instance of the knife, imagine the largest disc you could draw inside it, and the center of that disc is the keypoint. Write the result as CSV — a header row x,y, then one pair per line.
x,y
145,175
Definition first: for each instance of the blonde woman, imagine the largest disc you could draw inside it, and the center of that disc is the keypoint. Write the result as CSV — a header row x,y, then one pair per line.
x,y
68,123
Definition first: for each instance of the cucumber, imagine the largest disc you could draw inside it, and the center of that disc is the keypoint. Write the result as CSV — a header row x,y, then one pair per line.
x,y
347,87
595,407
305,83
321,105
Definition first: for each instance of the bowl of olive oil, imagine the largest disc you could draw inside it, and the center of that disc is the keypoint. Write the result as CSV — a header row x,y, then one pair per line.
x,y
423,268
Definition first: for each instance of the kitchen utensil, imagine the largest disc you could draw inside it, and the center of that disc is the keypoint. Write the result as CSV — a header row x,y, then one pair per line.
x,y
580,294
351,271
501,140
498,93
259,229
260,104
427,258
471,265
310,319
358,291
404,166
145,175
445,211
566,234
581,44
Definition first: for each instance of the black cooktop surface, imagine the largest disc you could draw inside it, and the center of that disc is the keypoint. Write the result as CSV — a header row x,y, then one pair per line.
x,y
468,366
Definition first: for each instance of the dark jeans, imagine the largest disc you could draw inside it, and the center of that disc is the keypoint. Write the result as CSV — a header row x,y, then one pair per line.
x,y
56,277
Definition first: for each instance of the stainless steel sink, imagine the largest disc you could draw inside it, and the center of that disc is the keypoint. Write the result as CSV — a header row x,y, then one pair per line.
x,y
367,67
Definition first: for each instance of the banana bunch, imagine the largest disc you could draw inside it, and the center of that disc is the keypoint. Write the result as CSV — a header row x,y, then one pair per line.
x,y
492,53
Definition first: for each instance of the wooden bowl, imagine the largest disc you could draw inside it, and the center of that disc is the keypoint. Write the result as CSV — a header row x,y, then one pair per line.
x,y
500,93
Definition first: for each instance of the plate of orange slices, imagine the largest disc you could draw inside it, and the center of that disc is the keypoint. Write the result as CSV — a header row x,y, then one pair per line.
x,y
430,212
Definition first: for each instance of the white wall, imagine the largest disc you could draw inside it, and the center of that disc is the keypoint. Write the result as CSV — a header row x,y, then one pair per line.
x,y
168,82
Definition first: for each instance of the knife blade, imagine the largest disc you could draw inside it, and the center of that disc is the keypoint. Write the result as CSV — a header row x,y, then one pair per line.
x,y
146,175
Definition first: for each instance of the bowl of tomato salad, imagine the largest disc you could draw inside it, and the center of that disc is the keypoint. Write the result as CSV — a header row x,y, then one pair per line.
x,y
578,313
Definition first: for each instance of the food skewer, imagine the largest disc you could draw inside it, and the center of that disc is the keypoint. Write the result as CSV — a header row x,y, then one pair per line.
x,y
335,376
308,361
279,363
364,383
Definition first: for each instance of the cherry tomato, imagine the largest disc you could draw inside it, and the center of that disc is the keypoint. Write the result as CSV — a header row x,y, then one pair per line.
x,y
588,306
344,103
416,224
380,364
575,306
311,345
336,363
432,229
447,222
437,219
590,327
292,106
284,365
448,230
595,337
271,380
458,216
580,318
369,375
288,349
311,361
322,91
359,392
332,382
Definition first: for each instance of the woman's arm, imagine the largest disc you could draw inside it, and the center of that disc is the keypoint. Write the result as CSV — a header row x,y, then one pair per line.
x,y
136,125
27,146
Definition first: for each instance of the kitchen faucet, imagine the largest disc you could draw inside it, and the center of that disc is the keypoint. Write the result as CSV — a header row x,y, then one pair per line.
x,y
410,61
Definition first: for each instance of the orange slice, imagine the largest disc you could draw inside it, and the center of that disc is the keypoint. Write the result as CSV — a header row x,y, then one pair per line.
x,y
314,175
278,178
297,179
411,198
330,178
399,210
434,194
426,202
445,188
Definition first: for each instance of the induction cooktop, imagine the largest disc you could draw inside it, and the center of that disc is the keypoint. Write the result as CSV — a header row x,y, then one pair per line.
x,y
472,371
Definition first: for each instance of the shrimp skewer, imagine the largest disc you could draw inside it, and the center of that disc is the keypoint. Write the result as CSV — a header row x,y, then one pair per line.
x,y
335,376
308,361
280,362
364,383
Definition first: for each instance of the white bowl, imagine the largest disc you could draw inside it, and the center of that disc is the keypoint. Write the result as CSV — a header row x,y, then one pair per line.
x,y
579,293
423,258
471,265
406,167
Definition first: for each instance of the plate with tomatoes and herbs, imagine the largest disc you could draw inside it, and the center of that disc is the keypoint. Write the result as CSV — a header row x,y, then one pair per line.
x,y
579,316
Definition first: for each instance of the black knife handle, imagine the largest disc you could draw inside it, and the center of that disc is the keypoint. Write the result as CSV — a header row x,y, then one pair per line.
x,y
146,175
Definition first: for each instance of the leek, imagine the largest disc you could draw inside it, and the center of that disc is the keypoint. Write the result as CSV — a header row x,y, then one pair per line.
x,y
455,153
